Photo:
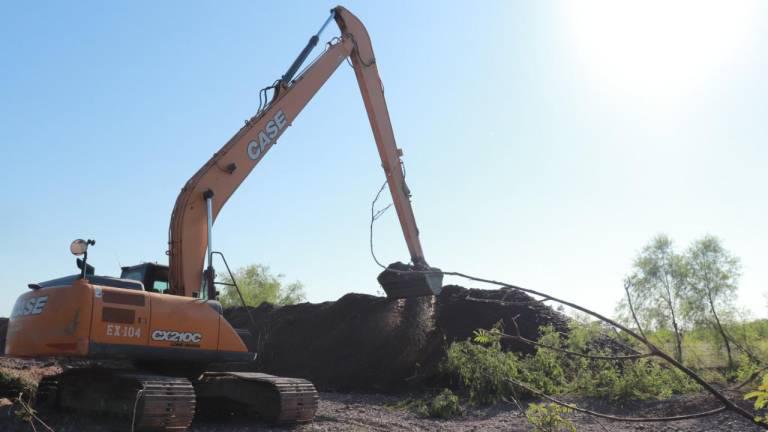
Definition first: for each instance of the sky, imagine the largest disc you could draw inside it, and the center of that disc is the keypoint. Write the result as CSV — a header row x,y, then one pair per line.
x,y
545,142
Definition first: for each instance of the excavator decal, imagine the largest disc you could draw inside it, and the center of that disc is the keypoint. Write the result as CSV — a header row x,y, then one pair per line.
x,y
174,336
33,306
123,331
267,135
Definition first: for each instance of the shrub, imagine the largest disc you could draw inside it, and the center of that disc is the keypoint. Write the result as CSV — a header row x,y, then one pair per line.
x,y
760,395
482,370
747,368
445,405
485,371
549,418
544,369
639,379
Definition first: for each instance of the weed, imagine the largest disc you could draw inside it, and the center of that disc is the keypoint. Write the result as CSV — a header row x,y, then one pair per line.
x,y
760,395
483,368
549,418
445,405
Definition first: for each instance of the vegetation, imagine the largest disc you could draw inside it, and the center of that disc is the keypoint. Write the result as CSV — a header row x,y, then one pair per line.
x,y
656,287
760,395
678,303
712,286
549,418
670,294
483,367
259,285
445,405
487,373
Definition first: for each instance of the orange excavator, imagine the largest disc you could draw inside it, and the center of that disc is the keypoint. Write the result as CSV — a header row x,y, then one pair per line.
x,y
162,347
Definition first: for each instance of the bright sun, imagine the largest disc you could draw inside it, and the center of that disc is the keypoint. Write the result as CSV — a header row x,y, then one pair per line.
x,y
659,51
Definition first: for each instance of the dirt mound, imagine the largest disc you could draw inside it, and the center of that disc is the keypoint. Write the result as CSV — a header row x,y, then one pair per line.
x,y
367,343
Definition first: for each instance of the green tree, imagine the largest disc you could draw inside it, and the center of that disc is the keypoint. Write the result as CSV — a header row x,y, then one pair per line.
x,y
656,287
259,285
712,284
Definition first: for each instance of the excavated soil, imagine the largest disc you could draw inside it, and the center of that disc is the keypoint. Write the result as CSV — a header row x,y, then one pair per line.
x,y
371,344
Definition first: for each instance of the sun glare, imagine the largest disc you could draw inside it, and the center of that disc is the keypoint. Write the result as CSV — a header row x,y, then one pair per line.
x,y
659,51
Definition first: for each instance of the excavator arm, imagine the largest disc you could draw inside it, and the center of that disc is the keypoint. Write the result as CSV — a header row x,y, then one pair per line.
x,y
203,196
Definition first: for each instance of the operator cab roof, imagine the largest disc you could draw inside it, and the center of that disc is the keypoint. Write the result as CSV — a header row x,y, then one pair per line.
x,y
92,279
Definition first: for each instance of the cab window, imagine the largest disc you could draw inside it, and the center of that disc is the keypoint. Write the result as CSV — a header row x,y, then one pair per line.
x,y
160,286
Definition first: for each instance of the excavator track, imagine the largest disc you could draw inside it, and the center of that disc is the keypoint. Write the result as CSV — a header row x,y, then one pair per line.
x,y
272,398
141,401
47,394
164,403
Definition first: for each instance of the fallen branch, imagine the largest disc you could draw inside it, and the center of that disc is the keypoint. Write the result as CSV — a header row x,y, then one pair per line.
x,y
31,413
504,302
618,418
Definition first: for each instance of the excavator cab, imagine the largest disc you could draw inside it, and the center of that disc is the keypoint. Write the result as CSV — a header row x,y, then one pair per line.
x,y
401,280
153,276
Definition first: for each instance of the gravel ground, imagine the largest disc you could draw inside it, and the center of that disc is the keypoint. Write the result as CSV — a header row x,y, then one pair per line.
x,y
375,412
369,412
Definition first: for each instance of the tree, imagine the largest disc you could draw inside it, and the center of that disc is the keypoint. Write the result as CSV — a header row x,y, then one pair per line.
x,y
712,285
259,285
655,288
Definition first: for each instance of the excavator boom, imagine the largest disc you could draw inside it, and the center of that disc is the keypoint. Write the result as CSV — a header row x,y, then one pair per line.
x,y
171,356
203,196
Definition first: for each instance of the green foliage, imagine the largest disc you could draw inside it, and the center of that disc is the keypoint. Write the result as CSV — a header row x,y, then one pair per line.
x,y
673,292
259,285
630,380
490,337
656,286
483,369
445,405
544,370
747,368
712,280
760,395
549,418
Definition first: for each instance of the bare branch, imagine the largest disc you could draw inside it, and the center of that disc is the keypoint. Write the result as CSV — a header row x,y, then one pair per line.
x,y
504,302
627,284
31,413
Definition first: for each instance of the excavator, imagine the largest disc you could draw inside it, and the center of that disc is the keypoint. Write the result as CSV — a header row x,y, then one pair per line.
x,y
153,343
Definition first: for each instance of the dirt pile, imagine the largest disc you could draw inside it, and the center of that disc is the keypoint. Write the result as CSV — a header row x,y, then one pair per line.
x,y
367,343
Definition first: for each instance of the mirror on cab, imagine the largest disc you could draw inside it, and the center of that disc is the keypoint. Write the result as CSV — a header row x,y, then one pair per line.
x,y
78,247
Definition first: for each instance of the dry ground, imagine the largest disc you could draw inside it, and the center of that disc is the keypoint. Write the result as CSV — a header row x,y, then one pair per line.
x,y
366,412
374,412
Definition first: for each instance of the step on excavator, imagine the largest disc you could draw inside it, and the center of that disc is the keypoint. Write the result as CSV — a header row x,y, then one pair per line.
x,y
155,346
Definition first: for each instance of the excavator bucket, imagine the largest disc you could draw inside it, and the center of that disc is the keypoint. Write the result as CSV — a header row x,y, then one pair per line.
x,y
405,281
